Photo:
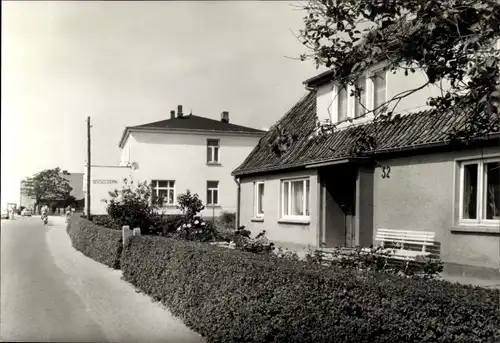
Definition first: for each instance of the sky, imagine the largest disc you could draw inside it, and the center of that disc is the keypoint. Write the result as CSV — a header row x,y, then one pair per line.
x,y
130,63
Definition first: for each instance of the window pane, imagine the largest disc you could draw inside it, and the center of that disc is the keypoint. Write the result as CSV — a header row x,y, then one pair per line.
x,y
213,142
470,191
215,196
359,105
260,198
298,198
163,184
162,196
212,184
170,196
285,198
307,197
492,188
171,184
209,197
209,154
379,89
342,110
216,155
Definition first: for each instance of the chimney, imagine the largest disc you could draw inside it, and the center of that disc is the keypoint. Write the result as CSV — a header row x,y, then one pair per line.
x,y
172,114
224,117
179,111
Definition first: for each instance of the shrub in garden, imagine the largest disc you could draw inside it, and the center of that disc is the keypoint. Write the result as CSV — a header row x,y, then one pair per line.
x,y
197,230
234,296
133,205
99,243
190,205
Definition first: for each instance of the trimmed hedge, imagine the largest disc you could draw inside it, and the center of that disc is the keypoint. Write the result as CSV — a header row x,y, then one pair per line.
x,y
105,221
234,296
99,243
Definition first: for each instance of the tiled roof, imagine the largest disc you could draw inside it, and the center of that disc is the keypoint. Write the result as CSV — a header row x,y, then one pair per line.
x,y
417,129
191,122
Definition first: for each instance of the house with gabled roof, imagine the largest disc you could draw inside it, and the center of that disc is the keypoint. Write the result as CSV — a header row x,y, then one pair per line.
x,y
179,153
309,190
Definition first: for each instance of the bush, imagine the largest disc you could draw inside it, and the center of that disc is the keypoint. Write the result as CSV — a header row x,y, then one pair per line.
x,y
99,243
234,296
133,206
197,230
190,205
106,221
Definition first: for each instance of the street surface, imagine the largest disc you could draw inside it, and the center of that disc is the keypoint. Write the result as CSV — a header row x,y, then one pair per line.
x,y
53,293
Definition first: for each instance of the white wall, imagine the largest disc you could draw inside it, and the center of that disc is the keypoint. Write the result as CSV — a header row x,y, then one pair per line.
x,y
182,158
291,234
102,181
395,84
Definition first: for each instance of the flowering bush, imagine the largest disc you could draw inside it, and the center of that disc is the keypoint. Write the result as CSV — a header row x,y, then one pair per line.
x,y
132,206
260,244
197,230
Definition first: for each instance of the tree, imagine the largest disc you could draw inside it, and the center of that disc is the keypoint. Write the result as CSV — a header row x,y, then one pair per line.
x,y
47,185
447,40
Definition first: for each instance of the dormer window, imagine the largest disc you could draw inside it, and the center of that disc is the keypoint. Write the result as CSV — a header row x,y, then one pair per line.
x,y
360,104
379,88
342,105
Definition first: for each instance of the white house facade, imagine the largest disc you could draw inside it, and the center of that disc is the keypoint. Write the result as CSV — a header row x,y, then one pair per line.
x,y
189,152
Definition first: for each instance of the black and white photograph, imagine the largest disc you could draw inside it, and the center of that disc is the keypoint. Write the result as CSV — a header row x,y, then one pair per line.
x,y
315,171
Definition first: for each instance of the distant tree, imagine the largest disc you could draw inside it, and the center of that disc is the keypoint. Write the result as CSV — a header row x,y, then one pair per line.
x,y
446,40
47,185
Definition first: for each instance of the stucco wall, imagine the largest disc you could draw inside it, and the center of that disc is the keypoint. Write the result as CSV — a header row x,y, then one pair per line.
x,y
182,158
420,195
102,181
326,99
282,233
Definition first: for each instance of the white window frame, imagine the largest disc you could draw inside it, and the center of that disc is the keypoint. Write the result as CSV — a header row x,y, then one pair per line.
x,y
368,93
212,190
215,157
481,193
371,77
288,202
256,199
156,188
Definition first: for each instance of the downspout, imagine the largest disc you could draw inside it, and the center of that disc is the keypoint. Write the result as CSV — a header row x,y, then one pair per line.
x,y
238,197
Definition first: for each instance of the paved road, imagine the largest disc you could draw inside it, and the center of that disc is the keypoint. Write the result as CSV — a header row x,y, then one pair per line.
x,y
52,293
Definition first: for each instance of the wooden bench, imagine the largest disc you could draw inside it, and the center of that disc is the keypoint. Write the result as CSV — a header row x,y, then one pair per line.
x,y
403,238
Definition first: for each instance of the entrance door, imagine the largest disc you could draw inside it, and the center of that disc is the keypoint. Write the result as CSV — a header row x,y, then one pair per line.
x,y
339,205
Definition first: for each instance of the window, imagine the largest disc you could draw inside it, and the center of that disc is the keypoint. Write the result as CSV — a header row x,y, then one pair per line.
x,y
360,105
213,151
379,89
480,192
164,192
295,198
259,197
212,193
342,105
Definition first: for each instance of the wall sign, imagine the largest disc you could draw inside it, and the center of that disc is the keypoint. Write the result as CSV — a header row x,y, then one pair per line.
x,y
107,182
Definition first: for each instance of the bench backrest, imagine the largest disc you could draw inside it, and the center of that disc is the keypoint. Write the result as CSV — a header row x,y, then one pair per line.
x,y
423,238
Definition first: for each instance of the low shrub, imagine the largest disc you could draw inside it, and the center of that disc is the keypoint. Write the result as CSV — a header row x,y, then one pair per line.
x,y
234,296
99,243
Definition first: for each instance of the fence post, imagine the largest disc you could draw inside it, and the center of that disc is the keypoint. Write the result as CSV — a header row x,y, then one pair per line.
x,y
126,234
137,231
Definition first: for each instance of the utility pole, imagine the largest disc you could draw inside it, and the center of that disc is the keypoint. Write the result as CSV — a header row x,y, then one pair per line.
x,y
88,167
